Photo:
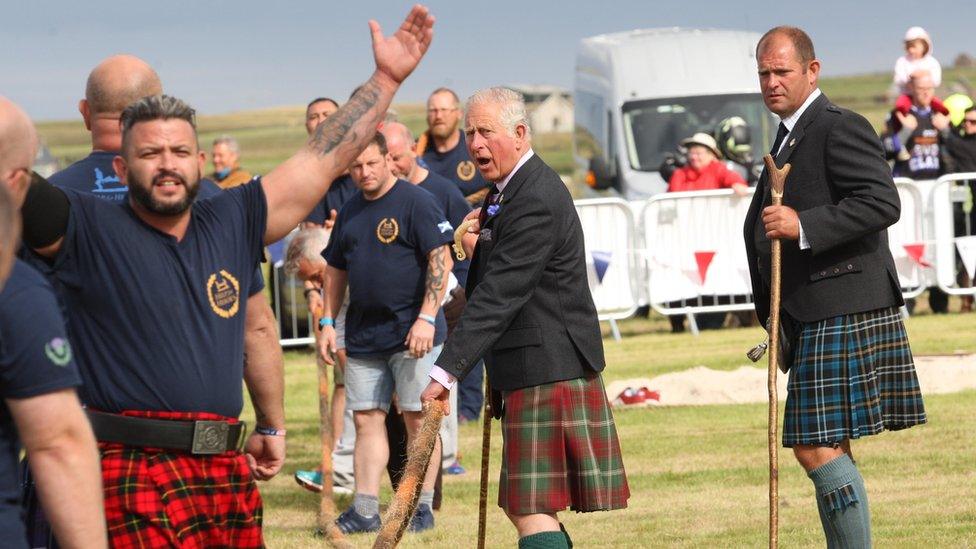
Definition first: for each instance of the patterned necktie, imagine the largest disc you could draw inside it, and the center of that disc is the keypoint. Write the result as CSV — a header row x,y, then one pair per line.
x,y
780,136
493,197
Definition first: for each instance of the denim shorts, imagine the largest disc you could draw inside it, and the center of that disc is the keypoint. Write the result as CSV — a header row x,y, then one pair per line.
x,y
370,381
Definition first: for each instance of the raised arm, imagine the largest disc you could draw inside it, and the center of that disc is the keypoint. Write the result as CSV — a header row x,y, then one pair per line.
x,y
293,188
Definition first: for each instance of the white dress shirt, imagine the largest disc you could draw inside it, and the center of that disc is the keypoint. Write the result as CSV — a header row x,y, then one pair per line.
x,y
790,122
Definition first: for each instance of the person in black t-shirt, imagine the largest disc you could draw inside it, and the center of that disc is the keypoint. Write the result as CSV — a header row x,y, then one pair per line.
x,y
38,377
163,348
390,246
443,149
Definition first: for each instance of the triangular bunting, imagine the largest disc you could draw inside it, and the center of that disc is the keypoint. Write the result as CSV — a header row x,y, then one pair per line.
x,y
966,245
601,262
916,252
703,259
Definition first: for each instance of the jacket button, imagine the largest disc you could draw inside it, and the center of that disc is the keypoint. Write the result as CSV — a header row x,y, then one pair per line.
x,y
836,270
849,266
463,362
823,273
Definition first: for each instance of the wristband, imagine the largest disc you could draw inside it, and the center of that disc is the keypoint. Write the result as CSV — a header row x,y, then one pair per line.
x,y
325,321
428,318
269,431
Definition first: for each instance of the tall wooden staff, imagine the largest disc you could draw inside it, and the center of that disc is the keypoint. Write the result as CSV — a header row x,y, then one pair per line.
x,y
327,508
485,453
777,178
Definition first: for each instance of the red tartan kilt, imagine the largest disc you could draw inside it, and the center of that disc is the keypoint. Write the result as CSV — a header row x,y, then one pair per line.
x,y
158,498
561,450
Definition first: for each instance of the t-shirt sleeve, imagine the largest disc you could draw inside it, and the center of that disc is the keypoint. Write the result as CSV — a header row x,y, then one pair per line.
x,y
457,208
256,216
429,225
36,357
257,281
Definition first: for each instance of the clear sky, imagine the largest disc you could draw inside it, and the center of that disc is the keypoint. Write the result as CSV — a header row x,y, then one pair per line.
x,y
223,55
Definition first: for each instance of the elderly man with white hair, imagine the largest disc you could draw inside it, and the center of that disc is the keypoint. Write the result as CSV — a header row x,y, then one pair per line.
x,y
226,156
530,315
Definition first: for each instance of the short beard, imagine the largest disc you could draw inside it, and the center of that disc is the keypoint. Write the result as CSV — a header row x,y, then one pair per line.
x,y
143,194
443,133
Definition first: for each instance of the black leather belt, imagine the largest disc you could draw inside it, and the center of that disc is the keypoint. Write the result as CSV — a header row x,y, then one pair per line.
x,y
196,437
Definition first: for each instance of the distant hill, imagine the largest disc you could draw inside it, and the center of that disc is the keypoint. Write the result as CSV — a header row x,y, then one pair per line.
x,y
269,136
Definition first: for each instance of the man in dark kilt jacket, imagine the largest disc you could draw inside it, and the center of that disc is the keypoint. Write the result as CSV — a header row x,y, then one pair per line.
x,y
531,317
852,372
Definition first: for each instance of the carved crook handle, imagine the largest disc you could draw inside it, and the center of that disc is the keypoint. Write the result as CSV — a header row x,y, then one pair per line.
x,y
458,235
777,176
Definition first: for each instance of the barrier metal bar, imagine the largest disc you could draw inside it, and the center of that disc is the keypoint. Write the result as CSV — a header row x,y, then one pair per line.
x,y
915,227
599,218
943,197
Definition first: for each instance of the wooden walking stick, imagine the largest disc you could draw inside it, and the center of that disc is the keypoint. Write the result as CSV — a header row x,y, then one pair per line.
x,y
327,509
485,454
408,492
777,178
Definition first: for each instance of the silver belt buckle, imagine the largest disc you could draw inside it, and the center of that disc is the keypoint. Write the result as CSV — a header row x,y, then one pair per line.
x,y
210,437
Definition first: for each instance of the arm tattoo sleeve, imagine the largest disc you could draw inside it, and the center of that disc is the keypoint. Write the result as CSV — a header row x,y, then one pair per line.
x,y
331,133
435,275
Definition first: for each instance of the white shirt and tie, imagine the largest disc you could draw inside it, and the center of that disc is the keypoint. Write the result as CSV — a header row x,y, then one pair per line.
x,y
789,123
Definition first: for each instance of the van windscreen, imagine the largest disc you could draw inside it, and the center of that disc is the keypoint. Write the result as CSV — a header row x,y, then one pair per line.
x,y
655,127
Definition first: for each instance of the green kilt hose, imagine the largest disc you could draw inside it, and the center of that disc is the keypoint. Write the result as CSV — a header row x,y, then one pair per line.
x,y
852,376
561,450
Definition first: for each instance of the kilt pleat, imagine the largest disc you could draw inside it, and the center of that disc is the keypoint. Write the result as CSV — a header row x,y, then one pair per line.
x,y
852,376
157,498
561,450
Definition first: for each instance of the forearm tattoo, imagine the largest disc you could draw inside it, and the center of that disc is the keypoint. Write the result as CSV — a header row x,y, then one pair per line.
x,y
337,128
435,276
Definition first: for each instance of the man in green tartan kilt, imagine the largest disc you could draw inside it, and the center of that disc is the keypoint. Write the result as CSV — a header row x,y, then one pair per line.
x,y
851,369
531,316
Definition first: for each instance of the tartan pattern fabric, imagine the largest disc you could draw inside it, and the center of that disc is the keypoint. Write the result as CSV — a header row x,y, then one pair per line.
x,y
560,449
159,498
852,376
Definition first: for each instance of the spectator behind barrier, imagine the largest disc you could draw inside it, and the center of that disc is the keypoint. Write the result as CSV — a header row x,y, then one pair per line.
x,y
918,57
704,171
226,157
961,150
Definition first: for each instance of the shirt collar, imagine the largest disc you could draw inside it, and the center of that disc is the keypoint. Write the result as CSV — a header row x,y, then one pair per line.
x,y
525,158
792,119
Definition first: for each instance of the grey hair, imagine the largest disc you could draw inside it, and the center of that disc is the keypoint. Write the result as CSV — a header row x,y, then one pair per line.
x,y
229,141
156,107
308,245
512,105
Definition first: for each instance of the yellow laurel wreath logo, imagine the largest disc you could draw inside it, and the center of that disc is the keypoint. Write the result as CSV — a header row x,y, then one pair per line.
x,y
224,294
387,230
465,170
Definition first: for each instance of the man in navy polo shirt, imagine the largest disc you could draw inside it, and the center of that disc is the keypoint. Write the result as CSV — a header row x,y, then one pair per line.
x,y
390,244
399,141
443,149
162,353
40,408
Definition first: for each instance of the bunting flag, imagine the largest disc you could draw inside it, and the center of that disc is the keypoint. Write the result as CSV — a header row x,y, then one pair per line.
x,y
916,252
601,262
276,253
703,259
966,245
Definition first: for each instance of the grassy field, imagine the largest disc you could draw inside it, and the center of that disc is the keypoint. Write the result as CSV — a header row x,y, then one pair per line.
x,y
697,473
269,136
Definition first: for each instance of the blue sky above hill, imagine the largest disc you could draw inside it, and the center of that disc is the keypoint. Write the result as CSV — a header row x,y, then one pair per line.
x,y
225,55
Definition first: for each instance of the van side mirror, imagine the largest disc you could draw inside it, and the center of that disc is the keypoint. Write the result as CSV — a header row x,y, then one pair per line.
x,y
601,174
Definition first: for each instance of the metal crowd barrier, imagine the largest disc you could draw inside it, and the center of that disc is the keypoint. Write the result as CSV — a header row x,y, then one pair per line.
x,y
908,231
954,216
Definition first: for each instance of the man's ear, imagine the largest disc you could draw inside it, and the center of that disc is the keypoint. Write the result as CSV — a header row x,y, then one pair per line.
x,y
121,170
85,111
202,161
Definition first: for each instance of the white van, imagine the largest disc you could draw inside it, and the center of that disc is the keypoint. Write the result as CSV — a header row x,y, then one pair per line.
x,y
639,93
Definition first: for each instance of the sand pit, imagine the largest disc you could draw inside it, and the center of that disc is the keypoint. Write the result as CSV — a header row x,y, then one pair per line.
x,y
701,385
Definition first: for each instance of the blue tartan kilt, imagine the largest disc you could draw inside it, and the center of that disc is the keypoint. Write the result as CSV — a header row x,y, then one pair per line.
x,y
852,376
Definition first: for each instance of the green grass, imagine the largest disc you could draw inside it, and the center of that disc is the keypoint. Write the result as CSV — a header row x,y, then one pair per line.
x,y
697,473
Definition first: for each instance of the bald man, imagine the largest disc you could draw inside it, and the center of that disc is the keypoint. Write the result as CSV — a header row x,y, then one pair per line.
x,y
38,377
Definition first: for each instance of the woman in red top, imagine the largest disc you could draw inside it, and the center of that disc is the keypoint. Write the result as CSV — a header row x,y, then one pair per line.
x,y
704,170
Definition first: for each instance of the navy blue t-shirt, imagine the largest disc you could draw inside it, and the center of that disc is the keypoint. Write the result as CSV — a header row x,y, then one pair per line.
x,y
455,165
453,205
95,174
341,190
383,245
35,359
158,323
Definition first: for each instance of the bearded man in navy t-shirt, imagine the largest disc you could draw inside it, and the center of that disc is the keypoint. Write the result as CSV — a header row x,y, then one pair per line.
x,y
390,246
161,353
443,149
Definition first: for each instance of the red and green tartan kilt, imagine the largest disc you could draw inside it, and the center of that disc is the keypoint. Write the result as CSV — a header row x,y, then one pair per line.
x,y
561,450
159,498
852,376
